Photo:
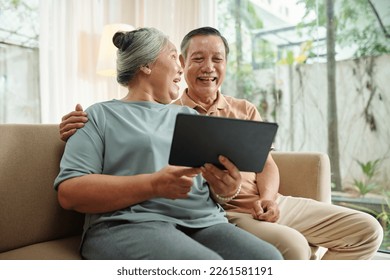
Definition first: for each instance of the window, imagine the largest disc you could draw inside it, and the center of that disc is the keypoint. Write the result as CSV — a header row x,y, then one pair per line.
x,y
278,61
19,62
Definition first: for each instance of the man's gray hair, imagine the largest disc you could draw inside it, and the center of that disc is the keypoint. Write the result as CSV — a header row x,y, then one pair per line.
x,y
203,31
136,49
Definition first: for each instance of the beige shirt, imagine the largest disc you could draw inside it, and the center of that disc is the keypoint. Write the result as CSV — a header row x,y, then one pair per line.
x,y
230,107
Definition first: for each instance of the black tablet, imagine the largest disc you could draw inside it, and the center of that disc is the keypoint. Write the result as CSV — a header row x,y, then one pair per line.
x,y
200,139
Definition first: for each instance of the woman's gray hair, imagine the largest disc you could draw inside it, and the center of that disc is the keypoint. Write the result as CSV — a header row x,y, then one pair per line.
x,y
136,49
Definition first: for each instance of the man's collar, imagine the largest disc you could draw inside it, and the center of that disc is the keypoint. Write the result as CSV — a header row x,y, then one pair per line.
x,y
185,100
220,102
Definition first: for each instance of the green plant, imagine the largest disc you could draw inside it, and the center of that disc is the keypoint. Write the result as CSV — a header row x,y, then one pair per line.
x,y
369,37
367,183
289,57
364,188
369,168
383,216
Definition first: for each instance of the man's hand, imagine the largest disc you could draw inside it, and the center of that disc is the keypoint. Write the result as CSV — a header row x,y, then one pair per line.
x,y
223,182
266,210
71,122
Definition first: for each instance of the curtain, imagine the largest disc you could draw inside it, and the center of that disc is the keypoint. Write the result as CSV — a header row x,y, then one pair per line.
x,y
19,85
69,44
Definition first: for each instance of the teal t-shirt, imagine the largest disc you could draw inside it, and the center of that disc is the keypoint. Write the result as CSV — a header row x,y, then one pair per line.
x,y
129,138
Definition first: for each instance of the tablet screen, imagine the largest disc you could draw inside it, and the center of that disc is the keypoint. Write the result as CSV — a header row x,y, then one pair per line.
x,y
200,139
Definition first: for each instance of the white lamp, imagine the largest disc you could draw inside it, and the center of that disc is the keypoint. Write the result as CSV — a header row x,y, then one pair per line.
x,y
106,64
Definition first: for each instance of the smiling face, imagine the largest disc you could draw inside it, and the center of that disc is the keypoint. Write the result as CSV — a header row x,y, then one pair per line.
x,y
165,75
204,66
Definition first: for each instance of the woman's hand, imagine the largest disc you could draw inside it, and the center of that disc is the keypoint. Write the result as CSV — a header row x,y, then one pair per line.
x,y
173,181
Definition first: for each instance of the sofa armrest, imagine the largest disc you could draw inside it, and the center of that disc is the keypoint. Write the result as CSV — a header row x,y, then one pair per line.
x,y
304,174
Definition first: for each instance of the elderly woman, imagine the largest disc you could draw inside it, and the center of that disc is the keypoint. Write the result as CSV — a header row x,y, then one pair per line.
x,y
115,169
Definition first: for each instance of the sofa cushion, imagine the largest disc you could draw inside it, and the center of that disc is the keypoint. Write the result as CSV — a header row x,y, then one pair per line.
x,y
62,249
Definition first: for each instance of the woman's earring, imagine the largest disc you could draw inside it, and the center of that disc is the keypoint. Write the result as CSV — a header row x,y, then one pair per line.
x,y
146,69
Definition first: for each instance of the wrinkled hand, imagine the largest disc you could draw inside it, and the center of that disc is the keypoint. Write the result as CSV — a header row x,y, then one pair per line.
x,y
173,181
265,210
223,182
71,122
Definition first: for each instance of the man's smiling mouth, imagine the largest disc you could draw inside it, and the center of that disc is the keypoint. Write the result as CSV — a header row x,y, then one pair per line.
x,y
207,79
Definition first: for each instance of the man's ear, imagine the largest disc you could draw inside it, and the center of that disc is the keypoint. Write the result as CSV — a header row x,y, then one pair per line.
x,y
146,69
182,61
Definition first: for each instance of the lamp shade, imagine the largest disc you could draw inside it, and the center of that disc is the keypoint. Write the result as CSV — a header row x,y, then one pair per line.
x,y
106,64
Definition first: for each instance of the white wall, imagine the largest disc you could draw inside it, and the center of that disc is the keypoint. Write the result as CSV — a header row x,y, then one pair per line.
x,y
302,112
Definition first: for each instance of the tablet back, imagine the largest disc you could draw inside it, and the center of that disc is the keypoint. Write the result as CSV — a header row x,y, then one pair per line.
x,y
200,139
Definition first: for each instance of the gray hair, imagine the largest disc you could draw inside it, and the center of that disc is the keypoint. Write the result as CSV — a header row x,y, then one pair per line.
x,y
203,31
136,49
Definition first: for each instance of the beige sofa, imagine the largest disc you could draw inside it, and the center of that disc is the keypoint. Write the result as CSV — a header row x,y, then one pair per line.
x,y
34,226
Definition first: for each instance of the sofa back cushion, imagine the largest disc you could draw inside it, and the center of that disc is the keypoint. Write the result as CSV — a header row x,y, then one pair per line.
x,y
29,210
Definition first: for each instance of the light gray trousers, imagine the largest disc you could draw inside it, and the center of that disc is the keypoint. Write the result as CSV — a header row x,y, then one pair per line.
x,y
166,241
